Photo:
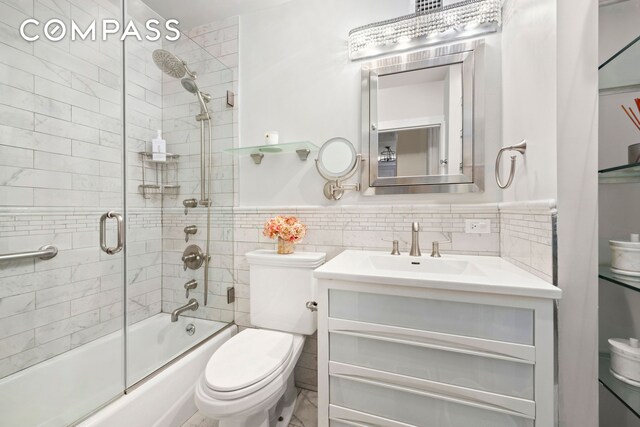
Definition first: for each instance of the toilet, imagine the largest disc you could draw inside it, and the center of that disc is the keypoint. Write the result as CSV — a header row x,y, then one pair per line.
x,y
248,382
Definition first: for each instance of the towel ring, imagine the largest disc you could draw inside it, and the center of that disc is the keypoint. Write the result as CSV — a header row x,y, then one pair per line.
x,y
521,148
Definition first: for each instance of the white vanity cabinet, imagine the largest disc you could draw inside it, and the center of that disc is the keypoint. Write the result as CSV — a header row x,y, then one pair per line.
x,y
396,355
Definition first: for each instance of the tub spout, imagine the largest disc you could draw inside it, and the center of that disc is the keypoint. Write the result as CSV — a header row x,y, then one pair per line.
x,y
191,305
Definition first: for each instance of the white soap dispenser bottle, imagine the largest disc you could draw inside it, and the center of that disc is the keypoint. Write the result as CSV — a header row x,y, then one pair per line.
x,y
159,148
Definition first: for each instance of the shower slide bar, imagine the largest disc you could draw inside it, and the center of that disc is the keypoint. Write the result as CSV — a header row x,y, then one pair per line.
x,y
44,253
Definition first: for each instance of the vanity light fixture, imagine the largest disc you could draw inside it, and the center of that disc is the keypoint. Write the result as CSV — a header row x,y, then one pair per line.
x,y
457,21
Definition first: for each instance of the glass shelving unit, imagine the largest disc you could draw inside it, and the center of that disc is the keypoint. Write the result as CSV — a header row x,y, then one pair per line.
x,y
257,153
629,282
620,73
620,174
627,394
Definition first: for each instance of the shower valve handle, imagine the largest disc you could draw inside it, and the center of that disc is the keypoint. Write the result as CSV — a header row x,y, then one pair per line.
x,y
193,257
191,229
191,284
190,258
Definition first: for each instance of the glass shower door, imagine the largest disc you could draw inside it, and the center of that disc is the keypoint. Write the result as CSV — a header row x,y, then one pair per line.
x,y
61,169
167,209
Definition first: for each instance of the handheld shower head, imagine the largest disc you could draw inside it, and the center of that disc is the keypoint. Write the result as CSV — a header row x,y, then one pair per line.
x,y
190,85
169,63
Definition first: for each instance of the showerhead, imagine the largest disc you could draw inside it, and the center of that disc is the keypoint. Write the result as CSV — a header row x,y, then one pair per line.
x,y
169,63
190,85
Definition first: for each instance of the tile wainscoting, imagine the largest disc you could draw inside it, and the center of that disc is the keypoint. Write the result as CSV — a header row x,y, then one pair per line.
x,y
520,232
527,236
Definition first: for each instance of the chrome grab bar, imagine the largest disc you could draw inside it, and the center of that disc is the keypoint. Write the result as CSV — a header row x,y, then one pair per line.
x,y
44,253
520,148
103,232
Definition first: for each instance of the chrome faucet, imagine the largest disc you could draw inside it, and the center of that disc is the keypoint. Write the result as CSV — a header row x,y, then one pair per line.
x,y
191,305
415,240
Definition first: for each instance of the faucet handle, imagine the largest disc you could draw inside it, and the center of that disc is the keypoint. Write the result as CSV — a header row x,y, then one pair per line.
x,y
191,284
189,230
189,204
415,226
395,250
435,250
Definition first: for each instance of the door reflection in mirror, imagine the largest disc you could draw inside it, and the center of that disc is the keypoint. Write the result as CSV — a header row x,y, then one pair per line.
x,y
420,119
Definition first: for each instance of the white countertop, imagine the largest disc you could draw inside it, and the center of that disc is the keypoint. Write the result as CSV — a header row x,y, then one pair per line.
x,y
491,275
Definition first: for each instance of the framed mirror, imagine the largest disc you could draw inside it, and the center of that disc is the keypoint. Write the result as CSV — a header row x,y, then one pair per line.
x,y
422,128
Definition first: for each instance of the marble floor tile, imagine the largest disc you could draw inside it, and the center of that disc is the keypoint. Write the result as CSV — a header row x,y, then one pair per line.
x,y
305,413
199,420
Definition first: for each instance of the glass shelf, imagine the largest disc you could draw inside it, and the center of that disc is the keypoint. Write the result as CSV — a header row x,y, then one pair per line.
x,y
627,394
630,282
621,72
620,174
302,148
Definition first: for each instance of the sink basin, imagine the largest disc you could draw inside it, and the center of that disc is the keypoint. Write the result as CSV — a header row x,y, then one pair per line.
x,y
492,275
424,265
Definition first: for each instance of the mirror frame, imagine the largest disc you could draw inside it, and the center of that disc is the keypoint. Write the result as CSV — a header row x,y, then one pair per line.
x,y
471,56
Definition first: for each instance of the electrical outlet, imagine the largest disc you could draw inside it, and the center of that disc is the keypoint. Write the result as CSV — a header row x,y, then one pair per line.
x,y
480,226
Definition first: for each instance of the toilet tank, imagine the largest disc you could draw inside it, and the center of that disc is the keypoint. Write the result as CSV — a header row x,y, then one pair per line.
x,y
280,287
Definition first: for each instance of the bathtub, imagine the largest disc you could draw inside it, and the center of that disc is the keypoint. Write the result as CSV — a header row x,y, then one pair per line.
x,y
66,388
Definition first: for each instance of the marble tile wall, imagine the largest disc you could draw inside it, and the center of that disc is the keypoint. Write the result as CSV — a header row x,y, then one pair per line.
x,y
527,232
49,307
334,229
220,268
61,165
60,110
60,145
205,49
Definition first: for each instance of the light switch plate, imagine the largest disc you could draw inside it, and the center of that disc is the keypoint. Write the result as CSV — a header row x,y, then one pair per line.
x,y
479,226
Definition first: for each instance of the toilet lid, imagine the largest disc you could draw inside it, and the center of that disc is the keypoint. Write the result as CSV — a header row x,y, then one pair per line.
x,y
248,358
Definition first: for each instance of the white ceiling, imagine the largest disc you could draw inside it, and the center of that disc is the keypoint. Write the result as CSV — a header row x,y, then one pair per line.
x,y
192,13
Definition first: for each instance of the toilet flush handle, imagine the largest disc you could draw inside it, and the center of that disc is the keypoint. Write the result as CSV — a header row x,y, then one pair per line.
x,y
312,305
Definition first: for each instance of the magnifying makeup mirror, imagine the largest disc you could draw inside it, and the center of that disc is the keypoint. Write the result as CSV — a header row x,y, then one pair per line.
x,y
337,160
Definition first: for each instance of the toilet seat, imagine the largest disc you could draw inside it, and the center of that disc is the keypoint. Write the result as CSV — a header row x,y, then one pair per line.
x,y
247,362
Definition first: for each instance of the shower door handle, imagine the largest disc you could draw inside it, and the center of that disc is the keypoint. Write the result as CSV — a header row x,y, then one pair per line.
x,y
103,232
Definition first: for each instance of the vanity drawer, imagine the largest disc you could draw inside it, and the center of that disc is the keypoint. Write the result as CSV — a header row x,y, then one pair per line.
x,y
400,405
508,324
488,374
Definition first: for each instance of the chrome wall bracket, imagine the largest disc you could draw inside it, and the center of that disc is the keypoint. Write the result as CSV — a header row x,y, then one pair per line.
x,y
303,153
257,158
231,295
